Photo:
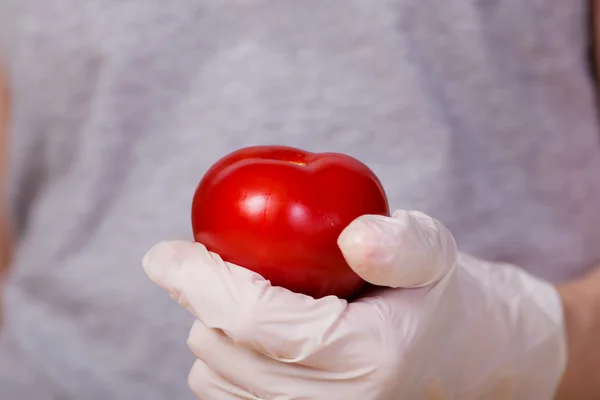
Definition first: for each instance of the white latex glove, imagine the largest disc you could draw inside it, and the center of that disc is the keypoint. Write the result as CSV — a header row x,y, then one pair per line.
x,y
473,330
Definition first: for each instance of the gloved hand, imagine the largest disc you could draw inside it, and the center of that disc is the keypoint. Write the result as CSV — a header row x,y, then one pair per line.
x,y
448,326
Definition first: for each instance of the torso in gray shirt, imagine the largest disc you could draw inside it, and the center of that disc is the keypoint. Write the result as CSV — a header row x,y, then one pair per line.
x,y
480,113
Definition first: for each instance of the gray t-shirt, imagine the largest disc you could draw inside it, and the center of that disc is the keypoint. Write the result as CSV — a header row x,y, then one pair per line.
x,y
480,113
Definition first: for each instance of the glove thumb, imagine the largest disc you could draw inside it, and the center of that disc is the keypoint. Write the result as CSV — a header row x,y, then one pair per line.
x,y
408,250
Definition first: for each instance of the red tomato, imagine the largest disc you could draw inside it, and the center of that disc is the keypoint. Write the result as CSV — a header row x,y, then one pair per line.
x,y
278,211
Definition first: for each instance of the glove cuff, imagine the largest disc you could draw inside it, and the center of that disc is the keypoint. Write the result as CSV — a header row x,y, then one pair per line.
x,y
517,332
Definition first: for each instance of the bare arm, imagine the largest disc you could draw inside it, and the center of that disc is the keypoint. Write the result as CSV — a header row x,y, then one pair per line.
x,y
5,243
581,301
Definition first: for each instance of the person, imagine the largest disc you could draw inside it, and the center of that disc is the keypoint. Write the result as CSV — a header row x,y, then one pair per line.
x,y
482,115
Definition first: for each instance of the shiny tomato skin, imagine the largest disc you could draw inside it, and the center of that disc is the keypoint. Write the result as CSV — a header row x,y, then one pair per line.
x,y
278,211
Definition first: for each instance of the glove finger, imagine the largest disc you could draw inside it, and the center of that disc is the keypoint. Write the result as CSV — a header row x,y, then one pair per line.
x,y
271,379
408,250
206,384
241,366
188,272
279,323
